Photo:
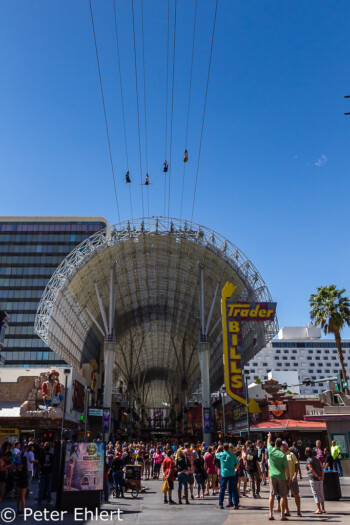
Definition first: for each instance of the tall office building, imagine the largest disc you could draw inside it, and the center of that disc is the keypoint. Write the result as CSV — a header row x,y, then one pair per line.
x,y
303,350
31,248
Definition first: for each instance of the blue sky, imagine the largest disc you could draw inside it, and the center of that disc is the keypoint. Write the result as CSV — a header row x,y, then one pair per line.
x,y
274,169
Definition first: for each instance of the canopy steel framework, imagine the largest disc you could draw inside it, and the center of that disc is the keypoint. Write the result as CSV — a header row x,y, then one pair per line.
x,y
142,296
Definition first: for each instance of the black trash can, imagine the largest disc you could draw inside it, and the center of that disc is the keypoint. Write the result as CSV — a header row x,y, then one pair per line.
x,y
331,486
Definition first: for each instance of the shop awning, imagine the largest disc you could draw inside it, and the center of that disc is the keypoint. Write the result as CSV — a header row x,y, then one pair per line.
x,y
288,424
10,409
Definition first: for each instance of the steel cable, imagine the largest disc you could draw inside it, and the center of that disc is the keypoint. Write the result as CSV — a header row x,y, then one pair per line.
x,y
104,109
189,104
137,101
204,109
122,100
166,103
172,112
144,98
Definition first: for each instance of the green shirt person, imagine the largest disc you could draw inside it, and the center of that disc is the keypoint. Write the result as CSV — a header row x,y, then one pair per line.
x,y
279,476
277,462
336,455
335,450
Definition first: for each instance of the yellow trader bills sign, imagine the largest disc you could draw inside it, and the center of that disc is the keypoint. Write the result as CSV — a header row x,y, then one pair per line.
x,y
233,315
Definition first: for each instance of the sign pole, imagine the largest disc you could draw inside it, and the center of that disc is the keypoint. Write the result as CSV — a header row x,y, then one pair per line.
x,y
87,396
247,407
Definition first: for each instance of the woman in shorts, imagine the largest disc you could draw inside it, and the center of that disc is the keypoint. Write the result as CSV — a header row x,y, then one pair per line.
x,y
211,471
241,475
158,459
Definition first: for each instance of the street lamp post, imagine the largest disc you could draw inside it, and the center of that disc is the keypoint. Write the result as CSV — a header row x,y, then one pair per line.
x,y
246,375
223,392
87,401
66,372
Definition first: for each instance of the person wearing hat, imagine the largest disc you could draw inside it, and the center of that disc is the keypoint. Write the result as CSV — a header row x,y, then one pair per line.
x,y
51,390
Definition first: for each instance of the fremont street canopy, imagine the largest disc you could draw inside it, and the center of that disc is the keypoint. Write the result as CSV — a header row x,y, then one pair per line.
x,y
149,291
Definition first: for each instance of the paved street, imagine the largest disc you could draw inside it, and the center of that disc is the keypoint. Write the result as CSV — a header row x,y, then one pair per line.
x,y
148,509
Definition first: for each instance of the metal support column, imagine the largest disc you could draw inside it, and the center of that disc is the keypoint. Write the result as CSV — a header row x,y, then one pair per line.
x,y
109,351
204,361
102,309
111,301
131,391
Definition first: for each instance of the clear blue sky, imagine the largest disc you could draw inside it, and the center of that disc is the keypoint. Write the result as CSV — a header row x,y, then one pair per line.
x,y
274,170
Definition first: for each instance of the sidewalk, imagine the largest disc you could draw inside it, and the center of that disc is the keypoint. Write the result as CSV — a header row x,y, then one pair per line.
x,y
149,509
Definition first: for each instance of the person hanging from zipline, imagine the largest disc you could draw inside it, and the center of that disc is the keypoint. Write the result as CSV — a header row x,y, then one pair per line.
x,y
127,178
186,156
166,167
147,182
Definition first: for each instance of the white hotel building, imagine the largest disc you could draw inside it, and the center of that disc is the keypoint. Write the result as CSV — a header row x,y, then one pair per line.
x,y
303,350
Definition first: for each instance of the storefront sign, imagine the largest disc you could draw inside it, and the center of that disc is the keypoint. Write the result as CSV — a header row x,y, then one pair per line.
x,y
9,431
84,467
95,412
277,408
271,386
233,315
239,412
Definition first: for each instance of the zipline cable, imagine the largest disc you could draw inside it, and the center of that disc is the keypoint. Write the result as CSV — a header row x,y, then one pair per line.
x,y
166,103
104,109
172,111
189,104
137,101
144,97
204,109
122,99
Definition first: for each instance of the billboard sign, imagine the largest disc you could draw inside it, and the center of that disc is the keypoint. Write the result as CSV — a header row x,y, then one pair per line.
x,y
233,315
84,467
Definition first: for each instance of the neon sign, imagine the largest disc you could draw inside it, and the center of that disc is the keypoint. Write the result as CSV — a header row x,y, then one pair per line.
x,y
233,314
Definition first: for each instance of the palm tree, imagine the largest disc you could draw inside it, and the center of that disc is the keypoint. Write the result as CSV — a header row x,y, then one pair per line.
x,y
331,311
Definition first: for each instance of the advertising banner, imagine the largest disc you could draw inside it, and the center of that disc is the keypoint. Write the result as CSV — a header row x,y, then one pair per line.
x,y
106,421
206,420
233,315
84,467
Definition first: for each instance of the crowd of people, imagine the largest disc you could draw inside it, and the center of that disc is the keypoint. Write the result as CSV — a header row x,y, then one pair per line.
x,y
20,463
198,469
201,470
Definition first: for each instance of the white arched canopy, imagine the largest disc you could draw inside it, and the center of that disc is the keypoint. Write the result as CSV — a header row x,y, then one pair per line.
x,y
137,284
